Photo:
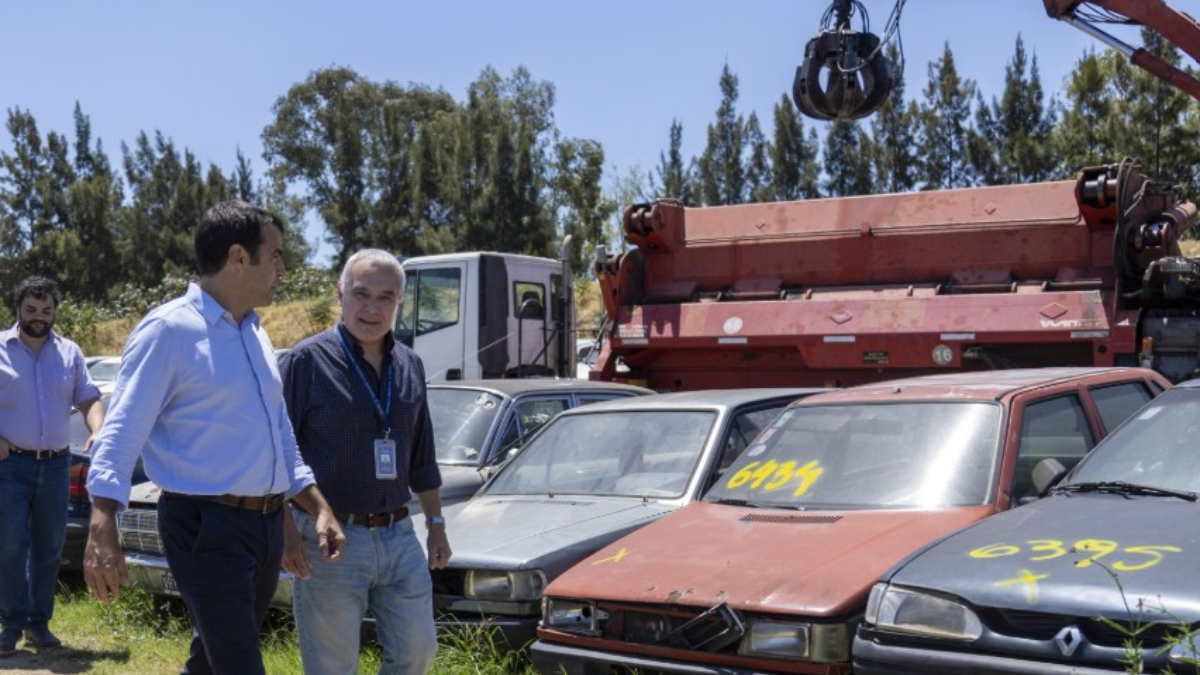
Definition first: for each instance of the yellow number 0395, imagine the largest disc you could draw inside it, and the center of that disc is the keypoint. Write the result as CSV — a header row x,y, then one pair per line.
x,y
1089,550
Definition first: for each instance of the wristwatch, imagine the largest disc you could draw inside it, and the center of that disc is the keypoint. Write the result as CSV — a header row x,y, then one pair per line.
x,y
435,520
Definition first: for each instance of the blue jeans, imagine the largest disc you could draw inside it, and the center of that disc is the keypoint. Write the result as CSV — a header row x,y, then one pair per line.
x,y
33,525
384,570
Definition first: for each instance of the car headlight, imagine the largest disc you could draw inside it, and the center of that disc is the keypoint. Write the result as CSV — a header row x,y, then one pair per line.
x,y
819,643
906,611
573,616
505,585
1185,651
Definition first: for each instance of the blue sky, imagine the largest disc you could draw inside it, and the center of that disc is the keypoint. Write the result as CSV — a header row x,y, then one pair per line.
x,y
207,74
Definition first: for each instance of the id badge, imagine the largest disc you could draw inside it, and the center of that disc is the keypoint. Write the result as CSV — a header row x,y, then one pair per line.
x,y
385,458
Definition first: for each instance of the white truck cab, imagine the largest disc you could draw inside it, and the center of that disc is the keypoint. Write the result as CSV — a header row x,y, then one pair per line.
x,y
483,315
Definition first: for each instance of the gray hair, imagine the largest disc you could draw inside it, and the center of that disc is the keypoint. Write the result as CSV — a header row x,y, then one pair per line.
x,y
375,256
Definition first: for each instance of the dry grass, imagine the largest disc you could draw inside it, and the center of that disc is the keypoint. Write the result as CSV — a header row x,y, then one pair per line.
x,y
290,322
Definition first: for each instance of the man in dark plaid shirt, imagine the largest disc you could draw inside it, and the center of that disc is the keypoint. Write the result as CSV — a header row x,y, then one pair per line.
x,y
357,402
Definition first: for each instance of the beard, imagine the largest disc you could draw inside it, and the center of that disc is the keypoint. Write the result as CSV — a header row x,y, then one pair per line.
x,y
36,329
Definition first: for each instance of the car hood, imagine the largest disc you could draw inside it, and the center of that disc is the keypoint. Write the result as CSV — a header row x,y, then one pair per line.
x,y
144,495
815,563
547,533
1024,559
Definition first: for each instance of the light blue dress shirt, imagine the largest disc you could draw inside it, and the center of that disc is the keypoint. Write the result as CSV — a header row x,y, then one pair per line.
x,y
37,392
199,397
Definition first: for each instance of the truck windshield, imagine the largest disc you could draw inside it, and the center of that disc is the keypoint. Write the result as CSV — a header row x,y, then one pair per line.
x,y
461,421
629,453
912,454
1156,447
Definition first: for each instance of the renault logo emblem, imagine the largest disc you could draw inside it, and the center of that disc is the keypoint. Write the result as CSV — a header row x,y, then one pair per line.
x,y
1068,640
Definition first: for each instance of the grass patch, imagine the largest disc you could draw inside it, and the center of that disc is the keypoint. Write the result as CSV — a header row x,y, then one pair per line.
x,y
143,635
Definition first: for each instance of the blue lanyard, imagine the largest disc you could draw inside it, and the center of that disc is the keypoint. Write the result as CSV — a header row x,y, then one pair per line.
x,y
384,411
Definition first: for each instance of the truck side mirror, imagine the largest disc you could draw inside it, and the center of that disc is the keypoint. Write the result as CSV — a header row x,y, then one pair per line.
x,y
1046,474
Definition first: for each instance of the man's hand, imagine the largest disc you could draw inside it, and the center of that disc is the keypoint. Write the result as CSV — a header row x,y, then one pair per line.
x,y
295,554
103,560
438,546
330,538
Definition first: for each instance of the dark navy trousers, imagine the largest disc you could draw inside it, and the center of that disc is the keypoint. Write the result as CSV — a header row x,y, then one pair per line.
x,y
225,562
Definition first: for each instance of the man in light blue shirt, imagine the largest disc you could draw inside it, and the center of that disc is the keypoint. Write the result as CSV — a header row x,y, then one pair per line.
x,y
198,396
42,375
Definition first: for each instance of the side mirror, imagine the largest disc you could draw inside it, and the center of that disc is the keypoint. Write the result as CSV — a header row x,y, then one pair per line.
x,y
1046,474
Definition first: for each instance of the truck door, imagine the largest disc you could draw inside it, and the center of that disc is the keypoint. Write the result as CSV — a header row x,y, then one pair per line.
x,y
432,319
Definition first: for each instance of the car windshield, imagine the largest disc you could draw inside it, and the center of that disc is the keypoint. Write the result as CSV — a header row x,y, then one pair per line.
x,y
104,370
461,420
634,454
1156,447
869,456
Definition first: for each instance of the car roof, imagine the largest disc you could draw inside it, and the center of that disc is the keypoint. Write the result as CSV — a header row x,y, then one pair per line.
x,y
990,385
518,387
707,398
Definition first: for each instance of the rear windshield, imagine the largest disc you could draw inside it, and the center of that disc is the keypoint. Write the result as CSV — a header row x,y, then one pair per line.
x,y
461,420
650,453
863,456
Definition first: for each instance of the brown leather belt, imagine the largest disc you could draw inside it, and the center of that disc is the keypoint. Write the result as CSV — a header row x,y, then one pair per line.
x,y
265,505
38,454
372,520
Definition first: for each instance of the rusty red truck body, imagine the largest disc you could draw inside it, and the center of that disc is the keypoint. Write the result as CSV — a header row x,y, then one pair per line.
x,y
843,291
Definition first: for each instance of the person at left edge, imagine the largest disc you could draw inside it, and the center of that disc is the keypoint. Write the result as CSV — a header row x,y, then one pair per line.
x,y
198,395
42,374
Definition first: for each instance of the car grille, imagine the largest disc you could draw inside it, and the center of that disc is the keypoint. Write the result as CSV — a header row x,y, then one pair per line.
x,y
449,581
139,531
1040,626
717,630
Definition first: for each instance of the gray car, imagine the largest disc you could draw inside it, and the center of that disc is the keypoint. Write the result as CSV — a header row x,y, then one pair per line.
x,y
474,424
587,478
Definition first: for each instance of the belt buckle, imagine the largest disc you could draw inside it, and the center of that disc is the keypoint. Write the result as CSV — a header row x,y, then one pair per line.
x,y
266,505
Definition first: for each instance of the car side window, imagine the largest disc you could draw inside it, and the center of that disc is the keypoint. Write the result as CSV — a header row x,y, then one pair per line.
x,y
1055,427
530,415
1118,402
743,429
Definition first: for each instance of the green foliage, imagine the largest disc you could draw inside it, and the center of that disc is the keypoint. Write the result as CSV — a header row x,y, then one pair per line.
x,y
894,130
722,168
129,300
847,160
305,282
79,322
794,165
321,311
674,181
1010,141
944,132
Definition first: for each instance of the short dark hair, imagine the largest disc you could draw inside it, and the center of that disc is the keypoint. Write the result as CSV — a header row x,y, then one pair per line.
x,y
38,287
226,224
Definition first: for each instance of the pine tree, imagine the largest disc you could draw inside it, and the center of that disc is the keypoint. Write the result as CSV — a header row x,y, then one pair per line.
x,y
894,131
1010,141
722,171
847,166
945,128
675,180
758,162
1081,138
794,165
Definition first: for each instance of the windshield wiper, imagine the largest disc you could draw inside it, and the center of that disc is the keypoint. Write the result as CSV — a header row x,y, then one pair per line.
x,y
1119,487
735,502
